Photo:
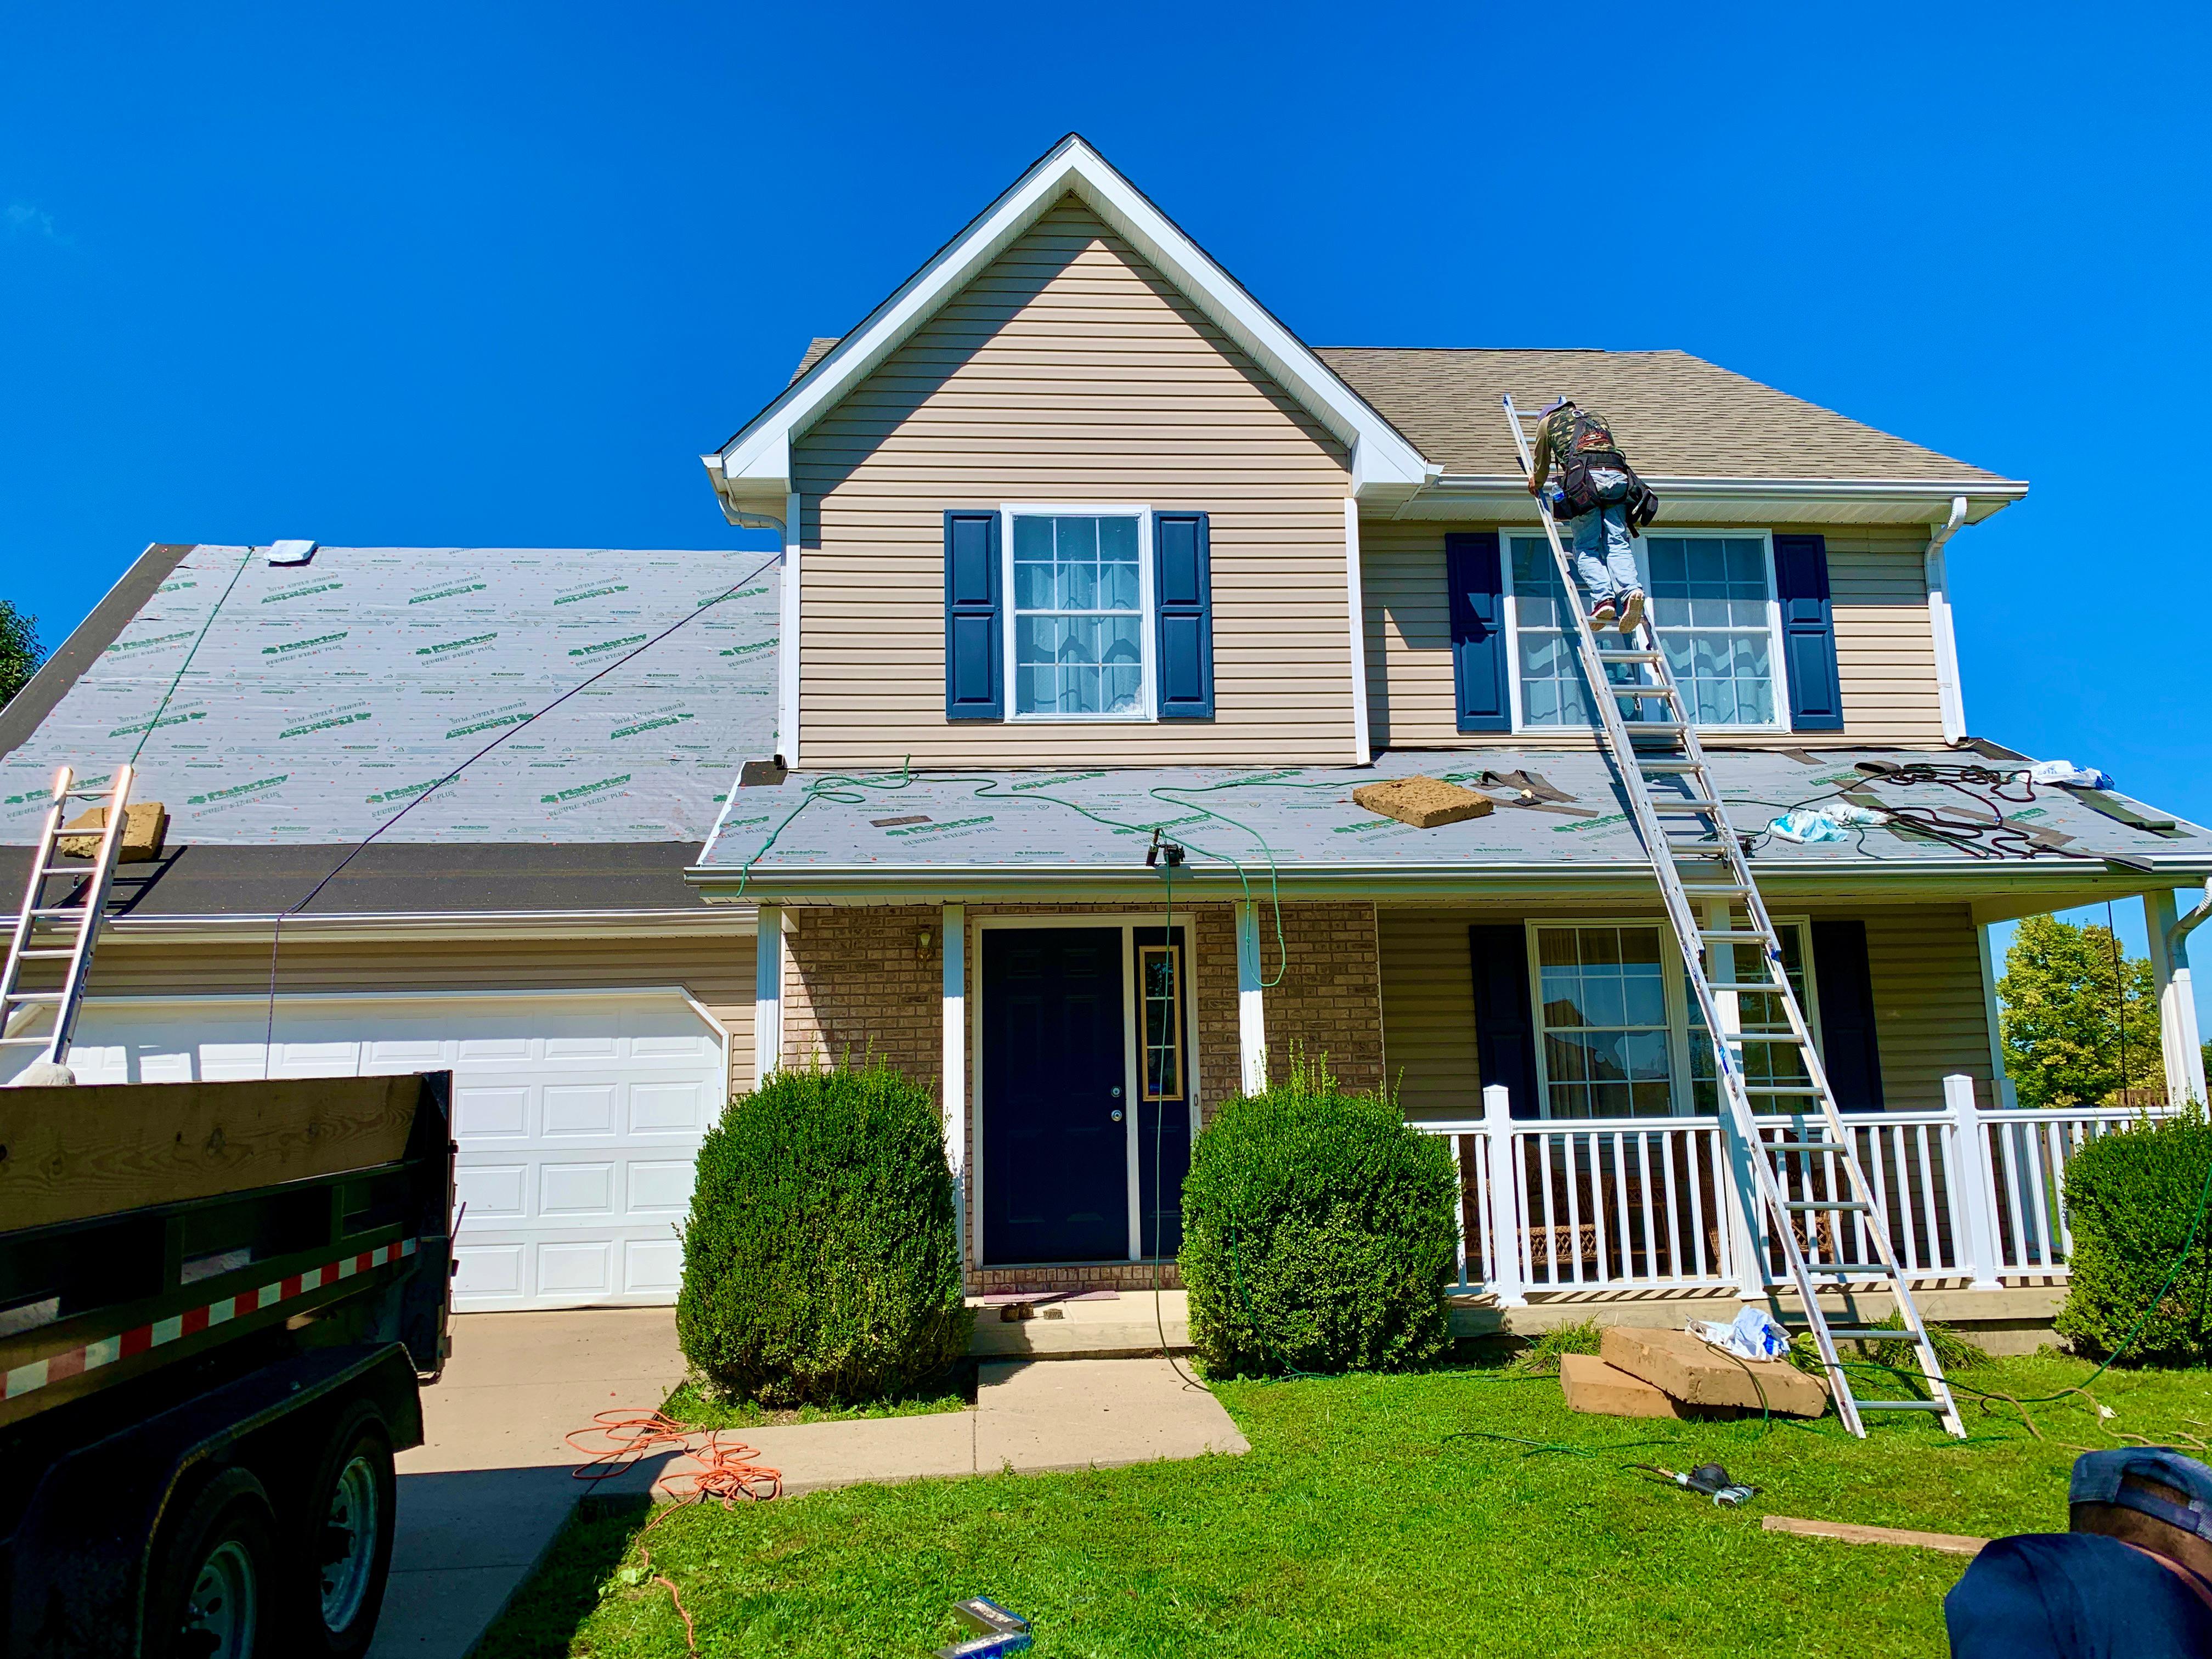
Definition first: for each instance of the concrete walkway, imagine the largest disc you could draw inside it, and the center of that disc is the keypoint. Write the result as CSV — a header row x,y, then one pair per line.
x,y
483,1500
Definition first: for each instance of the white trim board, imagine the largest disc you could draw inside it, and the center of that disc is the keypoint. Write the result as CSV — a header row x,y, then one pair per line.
x,y
751,473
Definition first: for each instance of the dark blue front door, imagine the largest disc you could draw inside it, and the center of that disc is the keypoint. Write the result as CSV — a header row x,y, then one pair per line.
x,y
1055,1145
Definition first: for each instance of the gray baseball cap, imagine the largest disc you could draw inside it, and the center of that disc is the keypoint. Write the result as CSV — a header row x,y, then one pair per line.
x,y
2101,1477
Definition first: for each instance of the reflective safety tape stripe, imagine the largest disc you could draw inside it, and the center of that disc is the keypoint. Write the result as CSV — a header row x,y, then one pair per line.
x,y
128,1345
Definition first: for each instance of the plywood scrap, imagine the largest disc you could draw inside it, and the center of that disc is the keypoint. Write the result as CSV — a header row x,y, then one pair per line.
x,y
1589,1384
1951,1543
1698,1374
145,827
1422,802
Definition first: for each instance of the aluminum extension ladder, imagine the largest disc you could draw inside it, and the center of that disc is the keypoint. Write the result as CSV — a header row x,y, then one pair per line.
x,y
63,933
1663,774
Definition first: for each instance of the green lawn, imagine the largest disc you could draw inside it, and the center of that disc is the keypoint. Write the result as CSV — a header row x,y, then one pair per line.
x,y
704,1410
1366,1520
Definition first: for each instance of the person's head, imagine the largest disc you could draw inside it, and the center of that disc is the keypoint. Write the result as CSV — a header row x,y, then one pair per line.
x,y
2152,1497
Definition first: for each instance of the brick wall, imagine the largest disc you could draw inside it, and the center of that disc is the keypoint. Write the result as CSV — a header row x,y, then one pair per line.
x,y
1329,1000
854,985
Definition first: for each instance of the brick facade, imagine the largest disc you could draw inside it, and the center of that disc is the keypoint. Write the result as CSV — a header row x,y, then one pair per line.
x,y
1329,1000
857,983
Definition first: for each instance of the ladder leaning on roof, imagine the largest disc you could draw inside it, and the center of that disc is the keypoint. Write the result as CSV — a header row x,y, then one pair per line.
x,y
64,932
1664,777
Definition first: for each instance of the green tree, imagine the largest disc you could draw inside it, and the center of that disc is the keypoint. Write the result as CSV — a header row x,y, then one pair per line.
x,y
20,650
2074,1005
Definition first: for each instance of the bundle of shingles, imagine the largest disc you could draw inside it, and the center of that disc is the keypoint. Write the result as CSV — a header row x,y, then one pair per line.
x,y
1664,1373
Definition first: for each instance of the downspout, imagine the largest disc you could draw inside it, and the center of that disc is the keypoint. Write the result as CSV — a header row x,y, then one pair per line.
x,y
2185,926
1949,695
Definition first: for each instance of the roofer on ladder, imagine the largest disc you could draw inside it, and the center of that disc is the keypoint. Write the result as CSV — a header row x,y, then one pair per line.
x,y
1602,499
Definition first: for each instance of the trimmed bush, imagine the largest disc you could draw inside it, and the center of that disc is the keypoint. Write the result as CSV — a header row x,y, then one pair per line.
x,y
1317,1233
2130,1199
822,1258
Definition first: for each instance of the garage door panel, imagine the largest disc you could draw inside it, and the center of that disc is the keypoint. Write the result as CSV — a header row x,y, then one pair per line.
x,y
490,1111
660,1187
578,1116
580,1109
668,1108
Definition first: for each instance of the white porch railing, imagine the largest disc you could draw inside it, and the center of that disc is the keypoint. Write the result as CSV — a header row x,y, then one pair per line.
x,y
1634,1204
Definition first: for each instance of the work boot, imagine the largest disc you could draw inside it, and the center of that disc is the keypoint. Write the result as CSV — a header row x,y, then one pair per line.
x,y
1631,611
1601,614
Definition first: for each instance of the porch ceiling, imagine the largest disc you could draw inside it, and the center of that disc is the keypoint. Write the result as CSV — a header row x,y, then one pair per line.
x,y
894,837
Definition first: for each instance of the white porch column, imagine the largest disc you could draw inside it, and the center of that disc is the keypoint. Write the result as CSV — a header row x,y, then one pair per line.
x,y
1973,1194
2177,1036
1251,1009
767,992
1747,1213
953,940
1501,1251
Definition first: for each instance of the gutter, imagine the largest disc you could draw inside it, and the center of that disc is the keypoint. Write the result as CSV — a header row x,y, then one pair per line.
x,y
1950,692
364,927
1910,500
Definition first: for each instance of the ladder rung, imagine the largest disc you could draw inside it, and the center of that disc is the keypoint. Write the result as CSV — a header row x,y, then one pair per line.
x,y
1789,1039
1618,690
1744,988
1852,1270
66,869
1715,887
1898,1405
27,1042
1673,767
38,956
1653,728
1804,1146
1779,1089
1685,808
1826,1203
35,996
1627,656
1740,936
1870,1334
56,911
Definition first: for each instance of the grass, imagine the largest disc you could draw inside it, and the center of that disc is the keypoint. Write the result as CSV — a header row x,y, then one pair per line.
x,y
1372,1515
702,1408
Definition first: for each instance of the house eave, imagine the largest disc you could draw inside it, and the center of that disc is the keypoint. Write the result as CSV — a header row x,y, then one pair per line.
x,y
1962,880
374,926
1504,499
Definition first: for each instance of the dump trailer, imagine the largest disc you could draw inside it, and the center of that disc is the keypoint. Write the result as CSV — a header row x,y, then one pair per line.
x,y
218,1301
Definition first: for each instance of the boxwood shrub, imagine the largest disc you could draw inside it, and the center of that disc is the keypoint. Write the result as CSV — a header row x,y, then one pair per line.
x,y
1317,1233
2131,1197
821,1257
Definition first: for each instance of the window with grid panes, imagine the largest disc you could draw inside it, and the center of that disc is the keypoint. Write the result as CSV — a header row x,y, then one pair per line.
x,y
1601,1002
1078,617
1712,611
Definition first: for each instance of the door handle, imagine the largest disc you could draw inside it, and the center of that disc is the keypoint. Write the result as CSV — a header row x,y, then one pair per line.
x,y
1115,1091
1117,1114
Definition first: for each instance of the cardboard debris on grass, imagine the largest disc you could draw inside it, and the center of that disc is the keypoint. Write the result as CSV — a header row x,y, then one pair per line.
x,y
1691,1377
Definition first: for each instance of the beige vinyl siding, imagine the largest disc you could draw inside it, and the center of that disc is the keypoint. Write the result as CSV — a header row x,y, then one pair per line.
x,y
1925,962
1069,371
1930,1019
1428,1012
1885,652
718,971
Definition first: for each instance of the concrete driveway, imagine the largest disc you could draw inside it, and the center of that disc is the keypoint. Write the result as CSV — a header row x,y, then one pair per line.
x,y
484,1495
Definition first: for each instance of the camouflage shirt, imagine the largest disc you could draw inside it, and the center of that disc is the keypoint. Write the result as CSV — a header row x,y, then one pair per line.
x,y
1555,435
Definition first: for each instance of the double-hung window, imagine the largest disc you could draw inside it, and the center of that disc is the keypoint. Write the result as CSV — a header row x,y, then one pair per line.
x,y
1620,1036
1712,608
1080,582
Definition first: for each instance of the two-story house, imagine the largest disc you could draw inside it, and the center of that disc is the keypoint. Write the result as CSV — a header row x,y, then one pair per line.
x,y
1080,542
1099,594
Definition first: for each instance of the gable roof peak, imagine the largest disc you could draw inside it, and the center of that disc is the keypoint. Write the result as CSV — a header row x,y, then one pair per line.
x,y
751,473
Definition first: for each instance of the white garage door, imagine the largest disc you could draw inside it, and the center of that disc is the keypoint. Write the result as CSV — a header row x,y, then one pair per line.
x,y
578,1114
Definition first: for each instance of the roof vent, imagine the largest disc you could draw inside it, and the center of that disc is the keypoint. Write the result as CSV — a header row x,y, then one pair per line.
x,y
291,552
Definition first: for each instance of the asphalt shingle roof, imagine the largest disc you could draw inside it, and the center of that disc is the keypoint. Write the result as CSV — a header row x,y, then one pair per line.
x,y
1677,415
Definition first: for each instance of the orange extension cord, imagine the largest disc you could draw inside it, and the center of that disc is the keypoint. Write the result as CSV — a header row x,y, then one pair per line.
x,y
725,1471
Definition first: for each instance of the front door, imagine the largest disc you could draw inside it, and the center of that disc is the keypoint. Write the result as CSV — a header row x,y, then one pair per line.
x,y
1055,1145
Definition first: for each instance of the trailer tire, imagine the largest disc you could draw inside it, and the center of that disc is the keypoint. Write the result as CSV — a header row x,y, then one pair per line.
x,y
215,1575
337,1575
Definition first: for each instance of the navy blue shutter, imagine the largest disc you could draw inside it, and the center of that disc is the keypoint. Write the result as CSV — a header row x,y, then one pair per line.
x,y
1477,579
1808,632
1848,1046
1505,1019
975,656
1182,593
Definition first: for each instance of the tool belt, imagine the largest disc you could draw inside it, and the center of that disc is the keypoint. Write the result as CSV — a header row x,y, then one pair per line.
x,y
1579,493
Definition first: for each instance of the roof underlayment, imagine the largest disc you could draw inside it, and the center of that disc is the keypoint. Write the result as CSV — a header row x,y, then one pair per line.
x,y
309,705
873,832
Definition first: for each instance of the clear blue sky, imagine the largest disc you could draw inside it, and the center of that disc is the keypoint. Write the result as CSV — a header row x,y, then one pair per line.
x,y
496,274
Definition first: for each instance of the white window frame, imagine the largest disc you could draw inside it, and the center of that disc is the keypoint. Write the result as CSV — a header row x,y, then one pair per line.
x,y
1675,981
1147,709
1781,721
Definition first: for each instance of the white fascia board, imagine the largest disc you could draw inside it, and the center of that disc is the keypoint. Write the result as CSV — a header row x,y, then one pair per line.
x,y
404,926
760,454
1868,500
